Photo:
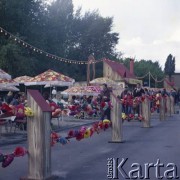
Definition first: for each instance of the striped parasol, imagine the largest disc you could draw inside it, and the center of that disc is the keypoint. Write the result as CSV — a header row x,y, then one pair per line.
x,y
83,90
8,82
52,78
22,79
102,80
4,75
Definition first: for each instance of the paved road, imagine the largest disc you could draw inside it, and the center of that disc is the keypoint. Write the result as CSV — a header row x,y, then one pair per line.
x,y
87,159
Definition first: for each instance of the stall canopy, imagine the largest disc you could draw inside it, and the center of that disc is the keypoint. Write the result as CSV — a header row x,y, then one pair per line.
x,y
22,79
8,88
8,82
83,90
51,78
4,75
102,80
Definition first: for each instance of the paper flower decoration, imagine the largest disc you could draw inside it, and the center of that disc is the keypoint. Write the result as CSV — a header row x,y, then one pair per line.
x,y
87,133
95,127
62,140
131,116
106,121
123,116
101,125
54,137
91,131
83,129
8,160
79,136
28,112
20,151
71,133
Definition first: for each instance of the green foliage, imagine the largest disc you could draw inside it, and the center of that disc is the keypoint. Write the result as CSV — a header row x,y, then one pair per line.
x,y
169,68
142,67
57,29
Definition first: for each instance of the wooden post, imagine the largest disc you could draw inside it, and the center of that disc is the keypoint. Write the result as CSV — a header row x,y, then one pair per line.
x,y
146,113
39,144
116,119
162,109
172,106
168,104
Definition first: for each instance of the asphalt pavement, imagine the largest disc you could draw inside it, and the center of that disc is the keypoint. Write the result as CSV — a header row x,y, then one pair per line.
x,y
87,159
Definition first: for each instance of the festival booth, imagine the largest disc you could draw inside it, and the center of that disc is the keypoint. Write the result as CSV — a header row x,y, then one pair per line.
x,y
116,86
83,90
9,88
103,80
4,75
83,110
51,78
22,79
7,82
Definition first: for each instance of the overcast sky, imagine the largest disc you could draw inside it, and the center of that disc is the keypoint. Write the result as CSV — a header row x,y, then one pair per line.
x,y
149,29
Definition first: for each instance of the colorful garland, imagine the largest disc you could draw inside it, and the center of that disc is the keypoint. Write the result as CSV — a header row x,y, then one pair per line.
x,y
155,100
82,133
7,159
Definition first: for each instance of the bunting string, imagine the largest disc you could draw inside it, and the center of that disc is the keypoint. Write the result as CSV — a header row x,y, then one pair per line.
x,y
40,51
142,77
156,79
149,73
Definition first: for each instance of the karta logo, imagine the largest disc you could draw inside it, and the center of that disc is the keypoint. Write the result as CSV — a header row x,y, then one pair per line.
x,y
116,170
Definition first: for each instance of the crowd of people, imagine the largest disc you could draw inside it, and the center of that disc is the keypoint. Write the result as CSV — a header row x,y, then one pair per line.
x,y
128,97
87,106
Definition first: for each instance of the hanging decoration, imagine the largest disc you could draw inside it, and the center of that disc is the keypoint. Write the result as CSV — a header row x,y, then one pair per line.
x,y
28,112
83,132
40,51
7,159
149,74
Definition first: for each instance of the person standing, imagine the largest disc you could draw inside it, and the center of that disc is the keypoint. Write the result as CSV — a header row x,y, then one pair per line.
x,y
138,92
54,93
106,91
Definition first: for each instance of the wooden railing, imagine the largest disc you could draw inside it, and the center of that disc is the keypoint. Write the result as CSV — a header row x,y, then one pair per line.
x,y
166,108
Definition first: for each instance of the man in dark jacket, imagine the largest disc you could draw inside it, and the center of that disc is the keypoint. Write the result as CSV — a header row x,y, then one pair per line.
x,y
106,91
138,91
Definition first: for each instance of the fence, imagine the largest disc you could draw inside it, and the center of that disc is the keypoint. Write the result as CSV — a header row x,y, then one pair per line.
x,y
164,104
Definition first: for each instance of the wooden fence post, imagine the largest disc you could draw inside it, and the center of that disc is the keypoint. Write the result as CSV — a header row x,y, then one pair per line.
x,y
162,109
172,107
168,105
116,119
39,141
146,113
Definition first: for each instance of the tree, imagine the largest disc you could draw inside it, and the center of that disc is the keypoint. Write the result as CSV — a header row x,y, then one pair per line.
x,y
57,29
142,67
169,68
